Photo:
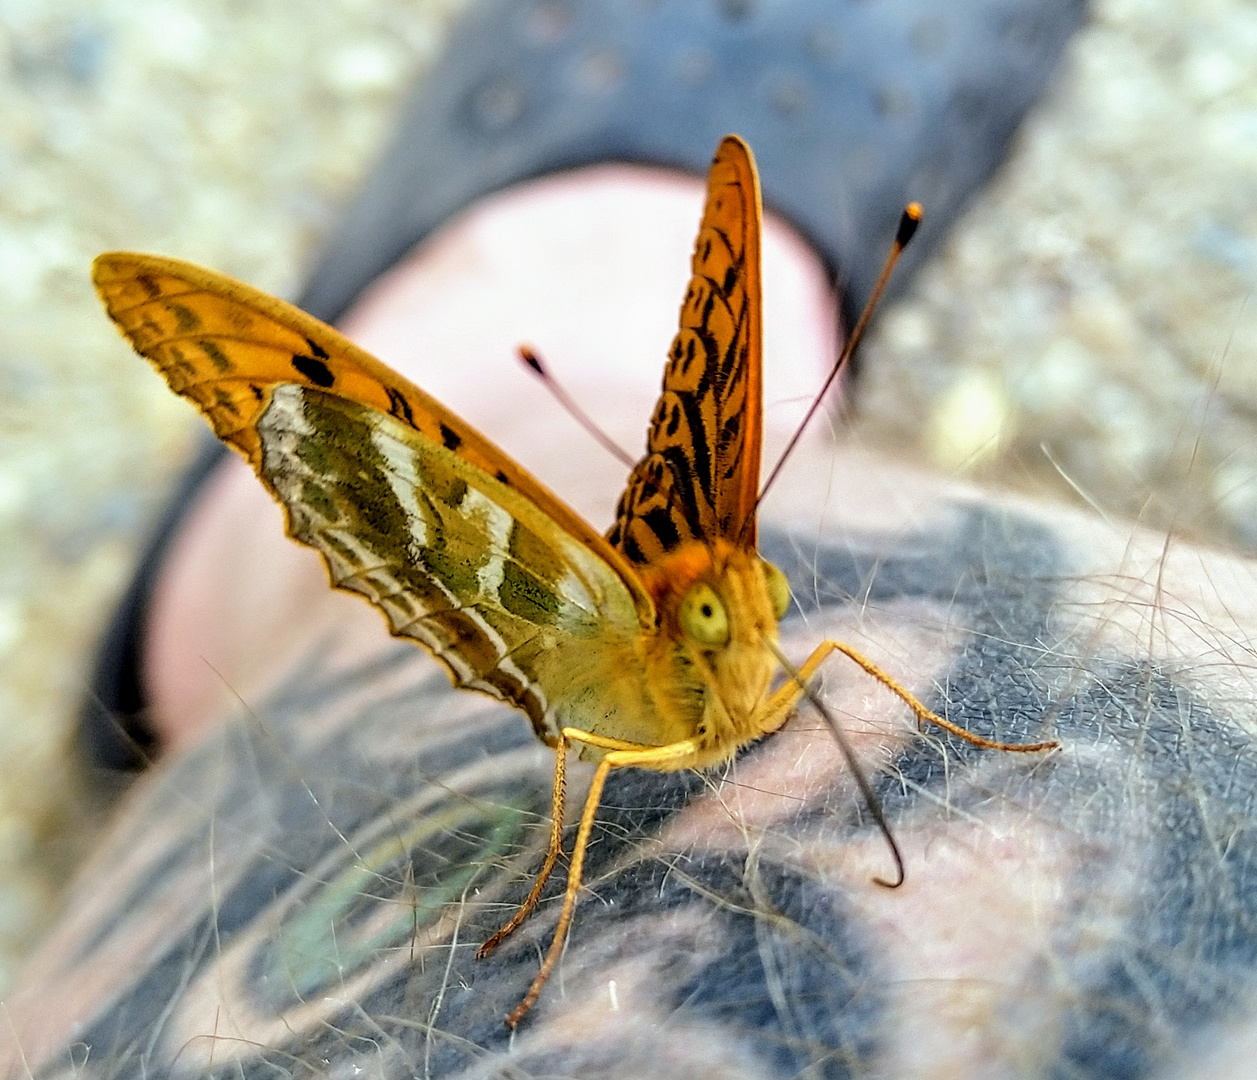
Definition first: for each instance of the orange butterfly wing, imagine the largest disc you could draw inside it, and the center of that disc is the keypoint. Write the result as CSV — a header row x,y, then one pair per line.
x,y
227,346
699,479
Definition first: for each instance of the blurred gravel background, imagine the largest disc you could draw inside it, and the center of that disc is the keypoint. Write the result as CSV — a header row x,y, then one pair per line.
x,y
1088,334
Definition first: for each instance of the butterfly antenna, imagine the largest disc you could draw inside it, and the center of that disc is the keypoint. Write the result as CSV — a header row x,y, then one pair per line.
x,y
530,358
861,780
908,222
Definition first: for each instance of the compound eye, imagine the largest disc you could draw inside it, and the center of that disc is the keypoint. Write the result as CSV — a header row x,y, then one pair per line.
x,y
778,589
703,617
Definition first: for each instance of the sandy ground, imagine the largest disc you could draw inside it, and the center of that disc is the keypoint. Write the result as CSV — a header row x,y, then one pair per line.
x,y
1087,334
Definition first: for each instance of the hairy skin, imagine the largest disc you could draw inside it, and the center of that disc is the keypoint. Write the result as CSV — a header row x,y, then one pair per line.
x,y
299,888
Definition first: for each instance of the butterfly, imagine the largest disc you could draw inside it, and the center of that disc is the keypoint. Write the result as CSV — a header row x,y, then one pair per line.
x,y
653,646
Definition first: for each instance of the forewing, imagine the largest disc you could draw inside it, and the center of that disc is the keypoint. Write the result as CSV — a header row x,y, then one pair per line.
x,y
227,347
502,595
700,476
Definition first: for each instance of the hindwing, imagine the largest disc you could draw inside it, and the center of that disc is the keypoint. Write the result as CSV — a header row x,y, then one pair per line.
x,y
455,559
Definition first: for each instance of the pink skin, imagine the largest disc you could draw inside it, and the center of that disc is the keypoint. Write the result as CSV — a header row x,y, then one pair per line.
x,y
588,268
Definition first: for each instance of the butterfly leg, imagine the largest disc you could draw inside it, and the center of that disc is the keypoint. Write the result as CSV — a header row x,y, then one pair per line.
x,y
552,854
624,755
786,697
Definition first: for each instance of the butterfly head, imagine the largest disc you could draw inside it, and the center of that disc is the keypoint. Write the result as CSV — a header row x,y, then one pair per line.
x,y
716,604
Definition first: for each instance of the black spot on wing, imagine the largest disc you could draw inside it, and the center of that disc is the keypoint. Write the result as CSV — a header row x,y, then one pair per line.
x,y
146,282
660,521
176,361
217,357
622,539
670,422
696,463
399,406
224,401
314,369
691,482
450,438
732,447
186,320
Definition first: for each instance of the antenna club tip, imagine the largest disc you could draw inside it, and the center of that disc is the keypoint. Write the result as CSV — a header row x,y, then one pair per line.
x,y
530,358
908,222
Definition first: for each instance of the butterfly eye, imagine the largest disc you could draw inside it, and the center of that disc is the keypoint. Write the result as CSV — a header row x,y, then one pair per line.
x,y
703,616
778,589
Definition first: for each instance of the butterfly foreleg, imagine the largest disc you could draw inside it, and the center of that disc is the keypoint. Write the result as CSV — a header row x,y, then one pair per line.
x,y
787,696
557,801
782,701
620,755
